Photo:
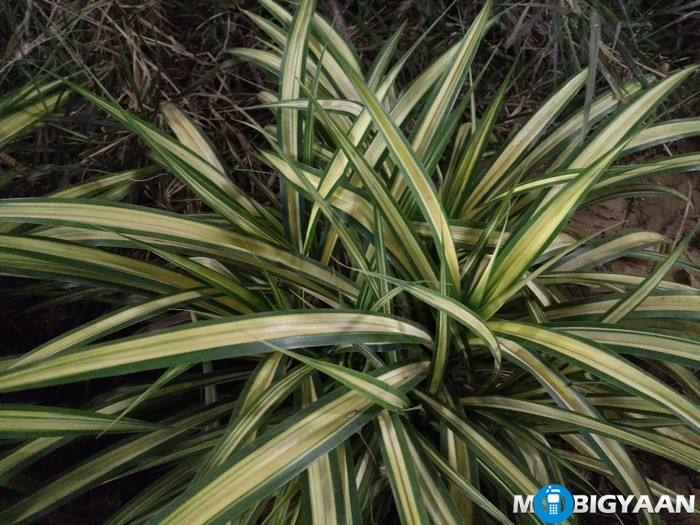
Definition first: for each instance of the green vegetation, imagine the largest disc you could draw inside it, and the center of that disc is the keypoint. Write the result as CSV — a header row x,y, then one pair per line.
x,y
405,330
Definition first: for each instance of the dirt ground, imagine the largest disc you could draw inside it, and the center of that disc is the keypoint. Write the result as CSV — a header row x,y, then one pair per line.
x,y
671,217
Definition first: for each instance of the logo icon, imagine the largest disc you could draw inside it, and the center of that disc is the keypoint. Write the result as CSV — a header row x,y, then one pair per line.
x,y
553,504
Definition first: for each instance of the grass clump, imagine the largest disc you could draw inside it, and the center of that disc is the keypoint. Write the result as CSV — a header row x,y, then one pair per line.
x,y
395,335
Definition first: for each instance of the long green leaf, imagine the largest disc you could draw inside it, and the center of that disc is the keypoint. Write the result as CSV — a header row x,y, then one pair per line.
x,y
401,469
418,181
205,179
677,451
289,130
171,230
23,421
280,454
210,340
602,363
98,468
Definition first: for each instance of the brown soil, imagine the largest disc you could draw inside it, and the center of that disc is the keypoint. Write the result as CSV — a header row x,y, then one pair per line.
x,y
671,217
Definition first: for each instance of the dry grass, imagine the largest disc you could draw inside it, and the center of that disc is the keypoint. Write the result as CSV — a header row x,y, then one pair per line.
x,y
143,54
148,52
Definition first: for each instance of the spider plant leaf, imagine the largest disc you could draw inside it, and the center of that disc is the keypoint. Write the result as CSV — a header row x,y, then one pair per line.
x,y
89,263
443,336
498,460
408,164
111,323
401,469
685,378
189,134
625,174
596,360
645,440
272,60
17,120
565,135
290,125
155,495
29,93
285,510
327,46
400,112
346,480
394,217
165,229
114,185
29,421
455,310
436,111
636,296
496,178
285,166
337,167
318,486
30,452
266,60
613,247
439,503
380,393
100,467
282,453
274,32
246,422
625,471
347,107
166,377
461,459
639,191
195,171
456,193
669,304
613,281
261,380
16,460
587,462
559,202
593,49
384,58
210,340
662,134
640,341
619,128
239,296
458,479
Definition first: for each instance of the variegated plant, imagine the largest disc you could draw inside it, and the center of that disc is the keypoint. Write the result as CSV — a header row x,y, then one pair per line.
x,y
393,336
